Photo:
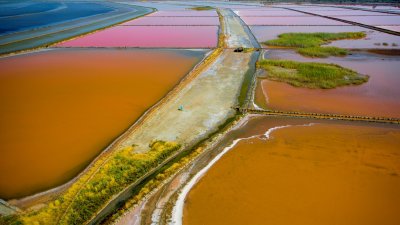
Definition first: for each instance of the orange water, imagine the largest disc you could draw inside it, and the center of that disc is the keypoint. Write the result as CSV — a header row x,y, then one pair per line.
x,y
323,174
61,108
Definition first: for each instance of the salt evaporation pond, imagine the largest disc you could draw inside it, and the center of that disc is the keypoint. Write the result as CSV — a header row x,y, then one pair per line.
x,y
290,21
174,21
374,39
296,171
61,108
373,20
184,13
269,13
377,97
149,36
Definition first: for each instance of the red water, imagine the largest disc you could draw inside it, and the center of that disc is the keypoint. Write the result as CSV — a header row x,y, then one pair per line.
x,y
61,108
149,36
290,21
179,20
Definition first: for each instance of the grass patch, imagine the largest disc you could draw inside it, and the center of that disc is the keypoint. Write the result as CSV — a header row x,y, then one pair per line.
x,y
87,195
202,8
309,44
322,52
311,75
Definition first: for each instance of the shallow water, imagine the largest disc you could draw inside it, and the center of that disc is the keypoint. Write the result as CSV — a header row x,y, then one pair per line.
x,y
149,36
373,20
377,97
268,13
175,21
264,33
290,21
25,15
61,108
347,12
184,13
326,173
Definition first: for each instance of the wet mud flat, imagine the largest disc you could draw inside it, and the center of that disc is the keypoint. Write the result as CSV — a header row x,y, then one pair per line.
x,y
62,107
286,170
377,97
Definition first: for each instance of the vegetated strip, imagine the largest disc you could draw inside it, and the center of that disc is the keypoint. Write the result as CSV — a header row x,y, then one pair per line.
x,y
193,74
349,22
165,174
310,74
309,44
202,8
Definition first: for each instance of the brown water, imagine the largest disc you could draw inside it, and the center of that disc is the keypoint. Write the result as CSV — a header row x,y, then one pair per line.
x,y
61,108
327,173
377,97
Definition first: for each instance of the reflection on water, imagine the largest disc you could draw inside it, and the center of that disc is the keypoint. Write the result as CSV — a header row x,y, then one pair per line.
x,y
377,97
307,173
60,108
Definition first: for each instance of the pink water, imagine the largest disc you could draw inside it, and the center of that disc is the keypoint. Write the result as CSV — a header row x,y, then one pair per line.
x,y
183,13
149,36
303,20
283,12
373,20
346,12
207,21
265,33
393,28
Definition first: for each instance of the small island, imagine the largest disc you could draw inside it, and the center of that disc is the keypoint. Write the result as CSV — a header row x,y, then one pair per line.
x,y
309,44
311,74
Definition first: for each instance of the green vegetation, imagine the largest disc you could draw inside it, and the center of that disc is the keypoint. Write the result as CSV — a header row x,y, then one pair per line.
x,y
311,75
202,8
105,179
309,44
323,52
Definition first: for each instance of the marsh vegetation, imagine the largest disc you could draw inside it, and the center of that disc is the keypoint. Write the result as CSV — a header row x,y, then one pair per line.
x,y
309,44
202,8
311,74
88,194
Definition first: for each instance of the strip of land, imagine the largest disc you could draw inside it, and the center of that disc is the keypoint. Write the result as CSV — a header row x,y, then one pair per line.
x,y
206,100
